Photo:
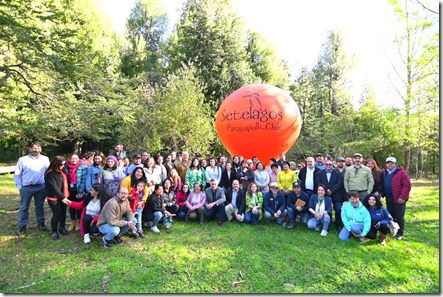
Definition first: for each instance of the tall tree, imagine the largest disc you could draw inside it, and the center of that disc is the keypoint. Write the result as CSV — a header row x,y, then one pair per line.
x,y
146,34
416,47
211,37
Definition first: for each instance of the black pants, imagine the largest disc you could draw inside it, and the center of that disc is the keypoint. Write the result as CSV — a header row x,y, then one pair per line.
x,y
58,219
172,209
220,209
372,234
397,211
75,214
87,219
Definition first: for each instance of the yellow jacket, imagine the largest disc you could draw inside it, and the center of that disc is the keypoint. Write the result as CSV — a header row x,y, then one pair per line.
x,y
286,179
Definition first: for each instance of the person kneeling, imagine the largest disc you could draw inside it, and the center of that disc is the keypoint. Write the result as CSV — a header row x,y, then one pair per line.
x,y
356,219
116,218
320,206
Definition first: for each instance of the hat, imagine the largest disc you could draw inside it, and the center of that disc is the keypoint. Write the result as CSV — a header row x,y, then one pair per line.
x,y
136,156
340,159
391,159
319,155
273,185
198,154
179,154
292,163
296,184
358,155
111,158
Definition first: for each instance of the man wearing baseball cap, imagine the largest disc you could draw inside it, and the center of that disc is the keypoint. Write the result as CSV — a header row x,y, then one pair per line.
x,y
358,178
298,204
136,162
397,186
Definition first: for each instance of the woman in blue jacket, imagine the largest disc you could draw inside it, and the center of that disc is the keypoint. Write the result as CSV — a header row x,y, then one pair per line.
x,y
320,206
380,218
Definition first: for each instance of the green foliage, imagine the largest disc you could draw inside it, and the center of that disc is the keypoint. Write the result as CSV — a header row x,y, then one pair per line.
x,y
235,258
211,37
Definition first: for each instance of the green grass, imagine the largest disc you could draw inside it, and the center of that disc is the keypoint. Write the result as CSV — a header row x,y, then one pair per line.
x,y
236,258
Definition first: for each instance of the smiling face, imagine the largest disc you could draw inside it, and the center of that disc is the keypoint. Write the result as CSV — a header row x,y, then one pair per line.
x,y
371,201
321,192
74,159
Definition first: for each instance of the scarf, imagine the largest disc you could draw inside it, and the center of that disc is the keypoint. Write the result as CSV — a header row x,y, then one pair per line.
x,y
72,169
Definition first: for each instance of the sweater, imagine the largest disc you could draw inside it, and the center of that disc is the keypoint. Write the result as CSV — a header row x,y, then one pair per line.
x,y
113,211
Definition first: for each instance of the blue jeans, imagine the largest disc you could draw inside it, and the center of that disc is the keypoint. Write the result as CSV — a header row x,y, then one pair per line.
x,y
182,211
158,215
251,218
220,209
26,194
138,216
345,234
111,231
304,216
314,222
279,220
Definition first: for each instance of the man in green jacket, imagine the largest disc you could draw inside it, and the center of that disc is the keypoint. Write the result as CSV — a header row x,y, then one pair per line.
x,y
358,178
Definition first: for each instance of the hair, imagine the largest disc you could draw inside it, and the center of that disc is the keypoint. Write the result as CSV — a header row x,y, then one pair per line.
x,y
141,182
157,186
375,170
353,194
378,203
113,167
286,162
212,158
167,180
323,186
134,180
192,164
198,183
55,163
259,162
101,195
88,155
100,154
274,165
36,143
250,186
147,161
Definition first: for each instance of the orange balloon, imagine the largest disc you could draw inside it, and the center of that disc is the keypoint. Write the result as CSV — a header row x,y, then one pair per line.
x,y
258,120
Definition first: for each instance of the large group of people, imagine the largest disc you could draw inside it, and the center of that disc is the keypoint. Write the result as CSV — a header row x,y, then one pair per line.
x,y
112,196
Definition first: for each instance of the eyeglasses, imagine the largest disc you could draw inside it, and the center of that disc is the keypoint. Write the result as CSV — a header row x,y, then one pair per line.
x,y
328,164
62,164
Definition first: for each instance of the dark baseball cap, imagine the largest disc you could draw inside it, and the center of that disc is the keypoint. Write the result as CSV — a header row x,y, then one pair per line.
x,y
340,159
296,184
136,156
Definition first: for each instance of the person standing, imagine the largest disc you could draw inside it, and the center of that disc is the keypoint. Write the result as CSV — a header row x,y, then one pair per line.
x,y
307,176
76,173
358,178
56,189
29,177
396,187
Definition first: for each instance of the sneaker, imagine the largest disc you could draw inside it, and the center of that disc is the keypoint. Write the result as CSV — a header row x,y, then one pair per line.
x,y
399,237
155,229
21,230
135,234
107,244
291,226
284,225
141,234
42,227
362,239
324,233
317,229
86,238
118,240
168,225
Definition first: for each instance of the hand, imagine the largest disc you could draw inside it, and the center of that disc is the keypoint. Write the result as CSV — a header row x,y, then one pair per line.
x,y
80,195
319,215
328,192
299,208
238,217
140,204
356,235
231,207
377,193
66,201
377,225
401,200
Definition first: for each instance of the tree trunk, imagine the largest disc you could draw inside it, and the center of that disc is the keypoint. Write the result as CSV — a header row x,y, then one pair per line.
x,y
78,147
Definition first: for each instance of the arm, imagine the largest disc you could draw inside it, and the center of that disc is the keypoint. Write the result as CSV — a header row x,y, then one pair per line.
x,y
370,181
18,174
282,202
89,178
222,198
405,186
52,182
76,205
344,217
266,204
346,181
188,200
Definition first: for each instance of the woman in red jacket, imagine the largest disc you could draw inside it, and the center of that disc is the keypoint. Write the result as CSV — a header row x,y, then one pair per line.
x,y
90,206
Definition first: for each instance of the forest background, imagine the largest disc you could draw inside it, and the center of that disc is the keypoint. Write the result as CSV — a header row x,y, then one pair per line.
x,y
72,83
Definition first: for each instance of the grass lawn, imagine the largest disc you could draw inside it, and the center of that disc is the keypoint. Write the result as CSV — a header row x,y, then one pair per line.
x,y
234,258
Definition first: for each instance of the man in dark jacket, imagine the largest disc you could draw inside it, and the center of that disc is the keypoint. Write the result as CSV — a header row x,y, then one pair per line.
x,y
333,182
274,205
235,202
215,202
298,204
307,177
397,186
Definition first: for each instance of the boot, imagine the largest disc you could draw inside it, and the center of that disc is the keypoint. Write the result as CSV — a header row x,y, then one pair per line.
x,y
77,225
72,225
383,239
